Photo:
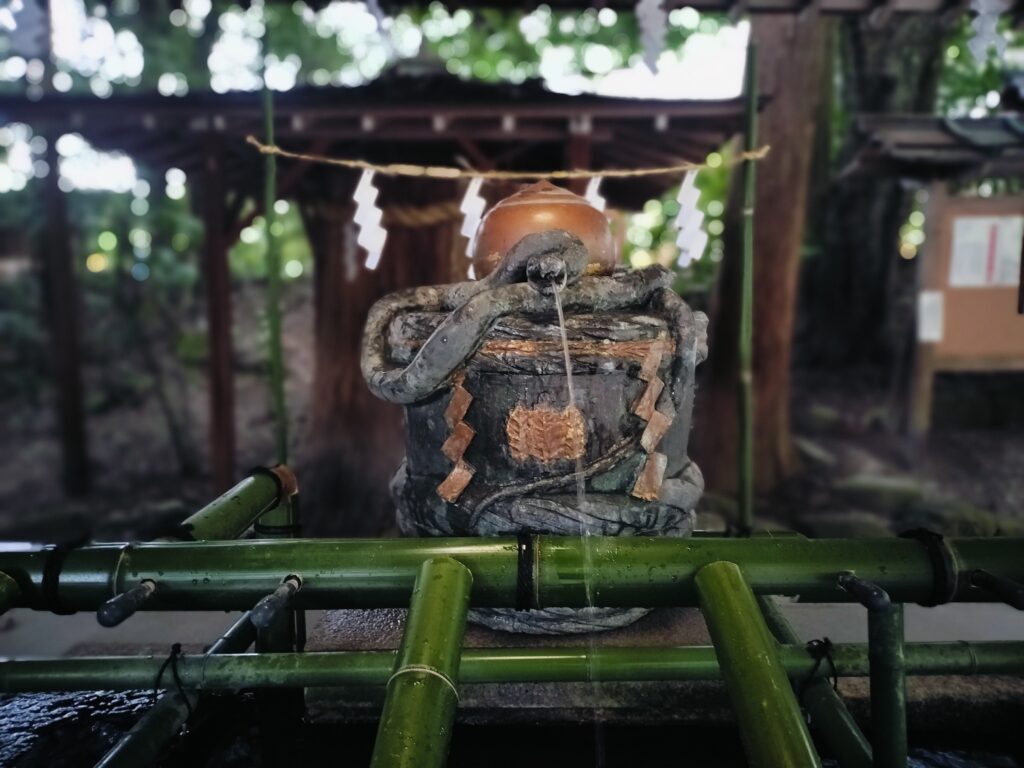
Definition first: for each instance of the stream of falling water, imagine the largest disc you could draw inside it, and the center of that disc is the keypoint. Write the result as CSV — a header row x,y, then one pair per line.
x,y
580,479
585,537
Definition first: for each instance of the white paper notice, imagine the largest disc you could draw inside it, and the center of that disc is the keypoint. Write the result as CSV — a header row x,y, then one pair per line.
x,y
929,316
986,251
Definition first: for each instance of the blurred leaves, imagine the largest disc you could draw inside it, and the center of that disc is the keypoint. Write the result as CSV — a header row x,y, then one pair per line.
x,y
651,234
970,87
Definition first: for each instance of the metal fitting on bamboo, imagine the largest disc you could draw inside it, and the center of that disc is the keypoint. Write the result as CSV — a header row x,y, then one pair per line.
x,y
272,607
771,725
1010,592
123,606
422,694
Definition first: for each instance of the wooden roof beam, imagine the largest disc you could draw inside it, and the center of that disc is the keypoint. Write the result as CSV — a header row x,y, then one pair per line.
x,y
412,135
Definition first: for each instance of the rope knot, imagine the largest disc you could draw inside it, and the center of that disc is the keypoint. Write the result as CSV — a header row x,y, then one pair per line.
x,y
172,662
820,650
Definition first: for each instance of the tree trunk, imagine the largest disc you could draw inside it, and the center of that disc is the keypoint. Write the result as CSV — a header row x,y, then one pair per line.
x,y
354,442
220,352
793,63
859,293
63,309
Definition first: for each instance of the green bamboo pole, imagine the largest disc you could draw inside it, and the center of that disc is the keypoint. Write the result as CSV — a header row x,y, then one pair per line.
x,y
419,707
888,686
231,514
621,571
234,671
745,385
9,592
828,714
771,725
227,517
273,259
143,744
290,629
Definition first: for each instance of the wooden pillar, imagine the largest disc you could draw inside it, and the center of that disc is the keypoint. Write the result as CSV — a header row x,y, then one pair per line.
x,y
354,442
217,280
920,387
62,307
1020,283
792,67
578,157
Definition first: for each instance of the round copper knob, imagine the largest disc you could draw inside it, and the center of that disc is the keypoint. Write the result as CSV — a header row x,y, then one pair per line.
x,y
537,208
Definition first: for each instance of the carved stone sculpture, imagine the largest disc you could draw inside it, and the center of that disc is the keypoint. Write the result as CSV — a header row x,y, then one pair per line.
x,y
494,446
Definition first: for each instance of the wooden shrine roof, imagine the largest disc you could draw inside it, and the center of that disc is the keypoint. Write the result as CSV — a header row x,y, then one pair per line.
x,y
922,146
435,118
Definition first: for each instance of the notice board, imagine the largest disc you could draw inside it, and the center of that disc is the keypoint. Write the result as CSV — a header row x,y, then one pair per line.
x,y
967,311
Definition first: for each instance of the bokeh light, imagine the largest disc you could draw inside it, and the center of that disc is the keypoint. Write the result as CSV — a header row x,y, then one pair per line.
x,y
96,262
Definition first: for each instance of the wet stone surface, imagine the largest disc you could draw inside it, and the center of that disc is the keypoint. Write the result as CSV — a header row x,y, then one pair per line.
x,y
376,629
65,729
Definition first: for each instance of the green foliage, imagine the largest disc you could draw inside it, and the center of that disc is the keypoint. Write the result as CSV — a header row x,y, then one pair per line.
x,y
650,235
496,45
192,347
968,86
247,255
16,208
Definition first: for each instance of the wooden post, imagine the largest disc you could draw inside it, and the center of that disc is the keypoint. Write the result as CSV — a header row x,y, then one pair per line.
x,y
578,157
62,307
922,378
792,65
354,442
745,341
1020,282
218,318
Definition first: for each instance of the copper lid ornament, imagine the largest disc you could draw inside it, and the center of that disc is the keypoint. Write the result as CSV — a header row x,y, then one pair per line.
x,y
537,208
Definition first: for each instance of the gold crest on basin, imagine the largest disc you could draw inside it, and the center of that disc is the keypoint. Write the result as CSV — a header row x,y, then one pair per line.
x,y
546,434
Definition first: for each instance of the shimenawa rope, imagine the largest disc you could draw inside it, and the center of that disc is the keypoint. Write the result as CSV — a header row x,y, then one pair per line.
x,y
447,172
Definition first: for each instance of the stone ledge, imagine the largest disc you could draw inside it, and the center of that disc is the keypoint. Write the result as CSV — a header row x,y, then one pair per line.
x,y
954,704
381,628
